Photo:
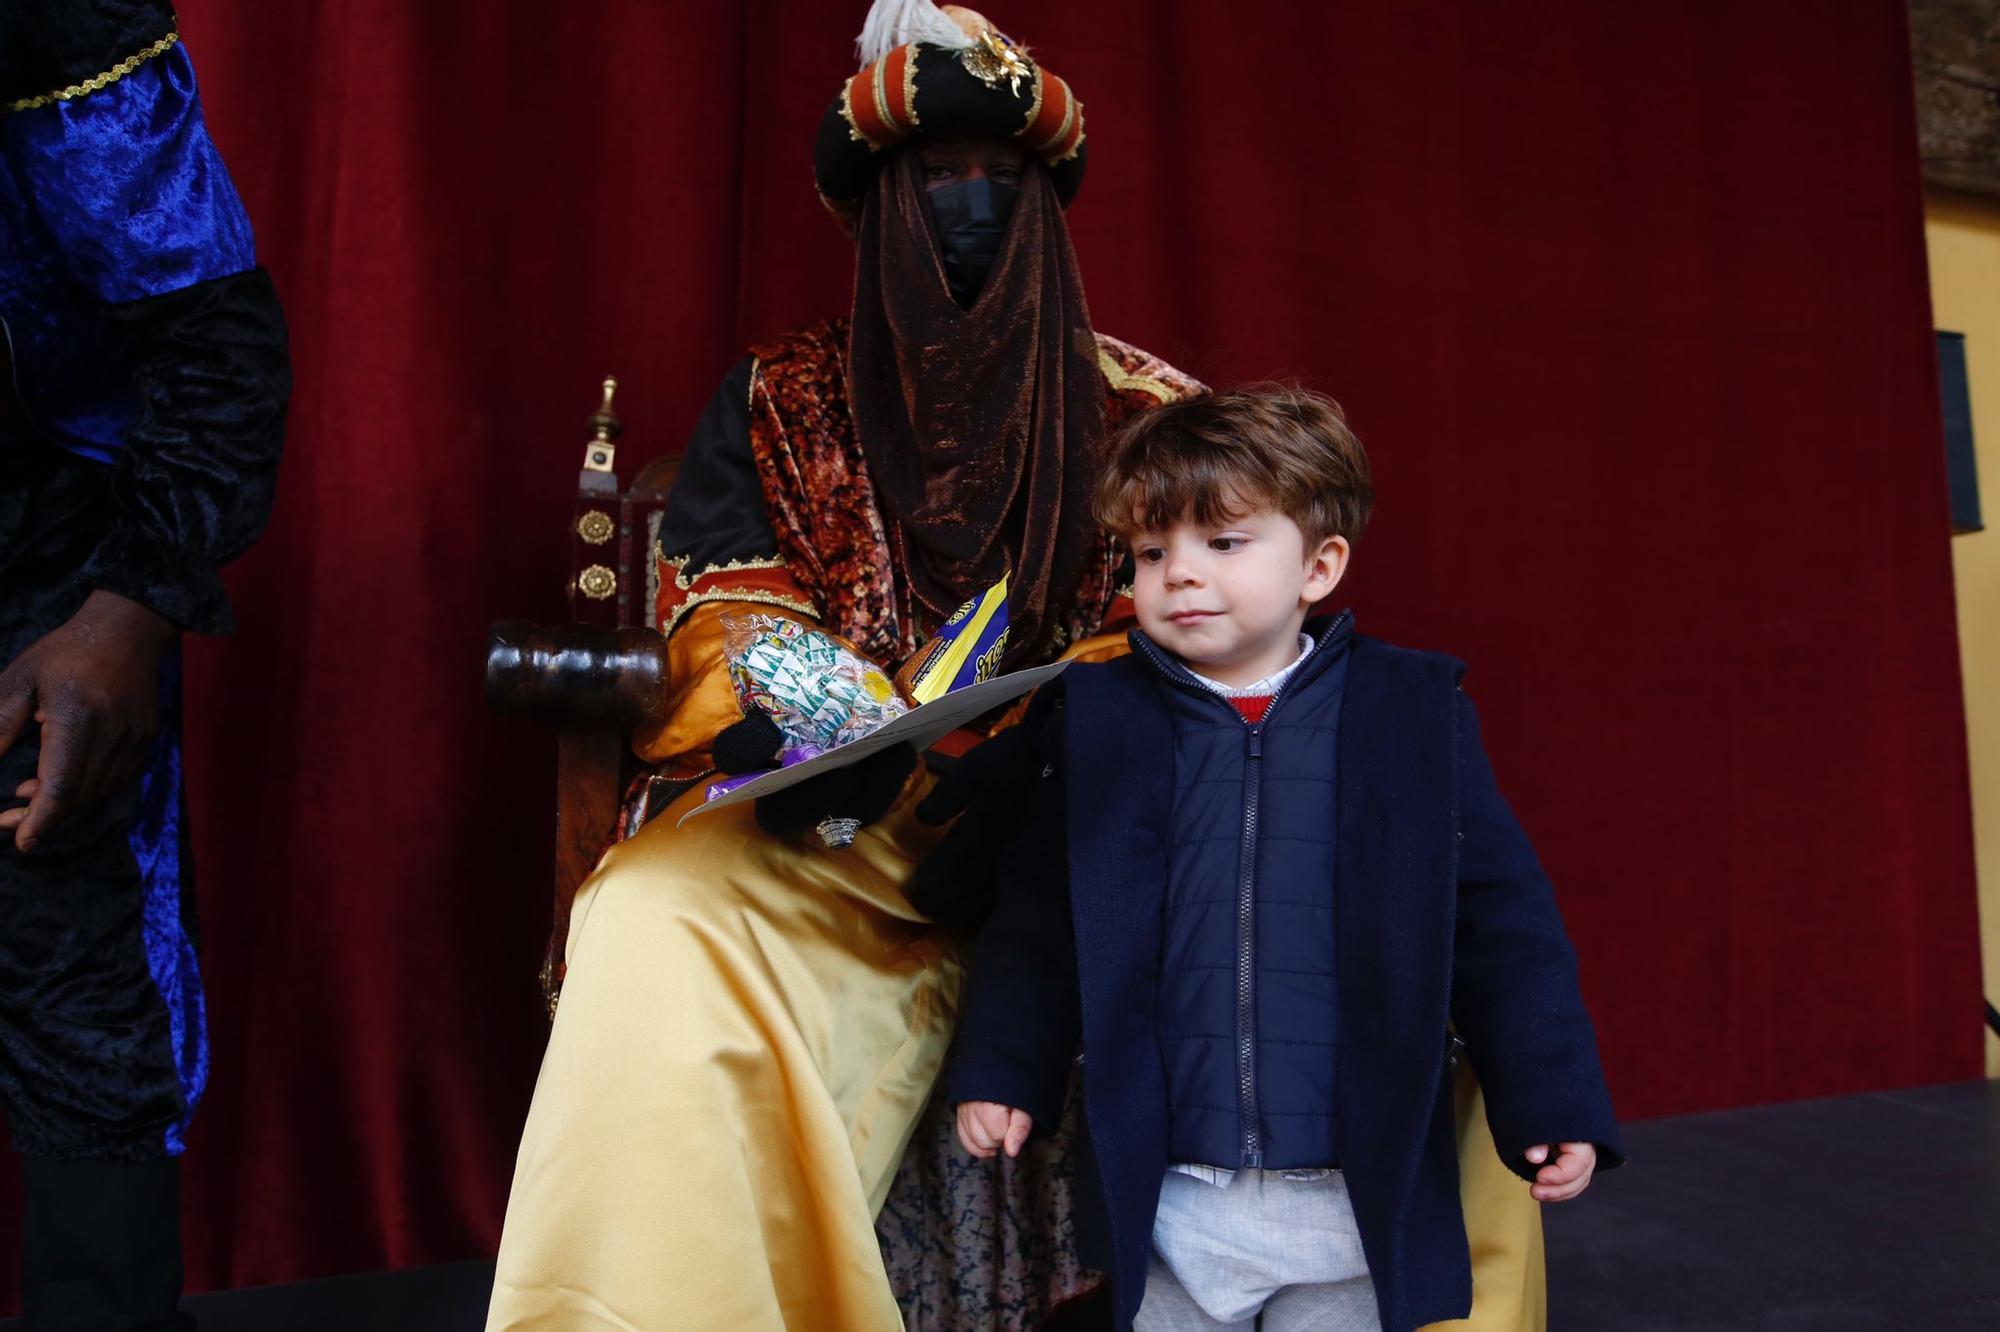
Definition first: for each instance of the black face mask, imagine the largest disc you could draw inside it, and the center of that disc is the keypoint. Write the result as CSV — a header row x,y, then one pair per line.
x,y
971,220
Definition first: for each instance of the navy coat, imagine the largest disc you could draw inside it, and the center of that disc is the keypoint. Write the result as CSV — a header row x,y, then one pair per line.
x,y
1443,918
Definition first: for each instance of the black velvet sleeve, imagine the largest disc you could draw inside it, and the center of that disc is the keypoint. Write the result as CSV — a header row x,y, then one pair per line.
x,y
192,486
715,512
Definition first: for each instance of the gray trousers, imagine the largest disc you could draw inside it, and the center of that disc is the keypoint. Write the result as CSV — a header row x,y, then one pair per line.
x,y
1271,1249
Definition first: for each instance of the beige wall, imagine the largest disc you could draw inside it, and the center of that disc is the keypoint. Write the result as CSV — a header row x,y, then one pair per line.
x,y
1964,237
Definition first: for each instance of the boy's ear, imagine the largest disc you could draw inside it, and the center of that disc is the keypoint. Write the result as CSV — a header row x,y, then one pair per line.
x,y
1325,566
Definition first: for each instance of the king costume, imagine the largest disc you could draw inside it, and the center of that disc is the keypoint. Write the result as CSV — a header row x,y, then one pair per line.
x,y
735,1125
141,421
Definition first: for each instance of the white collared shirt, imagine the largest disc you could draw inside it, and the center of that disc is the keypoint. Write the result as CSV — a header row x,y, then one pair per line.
x,y
1270,684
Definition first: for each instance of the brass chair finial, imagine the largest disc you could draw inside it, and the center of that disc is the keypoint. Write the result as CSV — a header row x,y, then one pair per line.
x,y
600,452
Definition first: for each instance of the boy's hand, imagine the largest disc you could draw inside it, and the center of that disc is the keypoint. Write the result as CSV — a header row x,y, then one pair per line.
x,y
1559,1180
985,1127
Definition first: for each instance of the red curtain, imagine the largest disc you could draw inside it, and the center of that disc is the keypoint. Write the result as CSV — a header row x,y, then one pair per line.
x,y
1628,303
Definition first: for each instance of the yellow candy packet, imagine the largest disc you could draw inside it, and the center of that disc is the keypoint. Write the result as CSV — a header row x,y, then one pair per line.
x,y
965,651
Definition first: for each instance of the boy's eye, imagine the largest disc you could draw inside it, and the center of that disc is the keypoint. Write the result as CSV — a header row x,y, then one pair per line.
x,y
1150,555
1224,543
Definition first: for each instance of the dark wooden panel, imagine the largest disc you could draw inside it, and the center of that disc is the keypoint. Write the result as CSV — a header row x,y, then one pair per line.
x,y
1955,48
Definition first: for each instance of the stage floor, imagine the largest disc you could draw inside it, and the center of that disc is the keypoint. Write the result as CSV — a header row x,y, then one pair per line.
x,y
1875,1211
1859,1212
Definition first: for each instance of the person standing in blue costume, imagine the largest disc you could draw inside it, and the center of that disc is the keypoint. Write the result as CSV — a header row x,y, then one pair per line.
x,y
142,411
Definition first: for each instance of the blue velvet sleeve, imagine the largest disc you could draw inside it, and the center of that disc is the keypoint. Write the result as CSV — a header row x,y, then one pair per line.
x,y
128,185
155,344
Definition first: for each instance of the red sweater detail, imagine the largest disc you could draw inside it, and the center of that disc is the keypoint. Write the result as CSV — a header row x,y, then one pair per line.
x,y
1253,708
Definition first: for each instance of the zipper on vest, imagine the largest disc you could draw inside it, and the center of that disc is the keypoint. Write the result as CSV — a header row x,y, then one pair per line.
x,y
1246,956
1251,1135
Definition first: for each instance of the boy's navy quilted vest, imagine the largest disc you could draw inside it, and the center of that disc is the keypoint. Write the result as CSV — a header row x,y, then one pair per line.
x,y
1248,1007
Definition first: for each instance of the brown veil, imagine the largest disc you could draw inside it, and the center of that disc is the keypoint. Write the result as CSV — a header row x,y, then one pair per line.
x,y
983,428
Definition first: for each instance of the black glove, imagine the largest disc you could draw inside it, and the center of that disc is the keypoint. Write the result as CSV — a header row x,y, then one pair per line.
x,y
860,791
987,791
996,766
750,745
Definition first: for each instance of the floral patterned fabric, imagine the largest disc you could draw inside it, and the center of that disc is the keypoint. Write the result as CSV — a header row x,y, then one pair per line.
x,y
982,1246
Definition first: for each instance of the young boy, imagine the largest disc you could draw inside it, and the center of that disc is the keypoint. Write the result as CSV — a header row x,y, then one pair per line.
x,y
1264,876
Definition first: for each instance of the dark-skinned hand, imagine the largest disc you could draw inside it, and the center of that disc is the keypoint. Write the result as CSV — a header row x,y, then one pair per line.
x,y
92,685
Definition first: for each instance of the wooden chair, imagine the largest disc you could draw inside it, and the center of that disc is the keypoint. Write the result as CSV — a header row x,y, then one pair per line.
x,y
598,677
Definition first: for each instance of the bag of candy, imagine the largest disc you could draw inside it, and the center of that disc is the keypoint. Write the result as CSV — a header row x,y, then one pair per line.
x,y
818,688
823,696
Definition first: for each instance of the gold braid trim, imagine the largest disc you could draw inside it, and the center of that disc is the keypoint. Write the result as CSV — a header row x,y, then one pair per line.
x,y
1124,380
910,85
1069,118
1034,107
847,114
777,599
98,81
686,584
1076,112
878,85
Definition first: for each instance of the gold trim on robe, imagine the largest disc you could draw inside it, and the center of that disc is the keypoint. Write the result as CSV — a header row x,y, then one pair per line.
x,y
96,82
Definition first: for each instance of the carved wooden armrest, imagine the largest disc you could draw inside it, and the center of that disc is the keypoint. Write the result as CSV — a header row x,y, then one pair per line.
x,y
593,684
577,675
596,680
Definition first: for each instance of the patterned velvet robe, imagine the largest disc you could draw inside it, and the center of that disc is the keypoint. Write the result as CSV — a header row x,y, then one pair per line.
x,y
966,1245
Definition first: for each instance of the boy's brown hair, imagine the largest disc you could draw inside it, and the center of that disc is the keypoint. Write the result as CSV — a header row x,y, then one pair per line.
x,y
1263,446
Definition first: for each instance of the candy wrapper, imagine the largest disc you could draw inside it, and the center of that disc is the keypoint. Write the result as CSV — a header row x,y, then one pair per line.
x,y
819,690
965,651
